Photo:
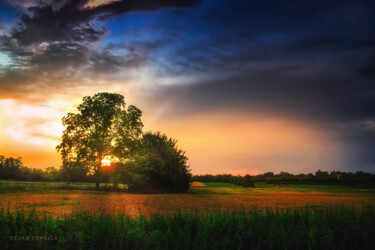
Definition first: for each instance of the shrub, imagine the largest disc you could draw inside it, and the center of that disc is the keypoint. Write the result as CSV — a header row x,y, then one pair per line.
x,y
158,165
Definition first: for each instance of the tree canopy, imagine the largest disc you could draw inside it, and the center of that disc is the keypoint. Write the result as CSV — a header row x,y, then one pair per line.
x,y
157,165
102,127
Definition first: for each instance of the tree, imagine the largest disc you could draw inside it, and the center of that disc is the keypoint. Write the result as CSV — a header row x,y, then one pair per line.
x,y
2,158
10,167
157,165
73,171
248,181
102,127
269,174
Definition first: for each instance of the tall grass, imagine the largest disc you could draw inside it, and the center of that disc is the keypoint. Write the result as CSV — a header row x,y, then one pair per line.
x,y
333,227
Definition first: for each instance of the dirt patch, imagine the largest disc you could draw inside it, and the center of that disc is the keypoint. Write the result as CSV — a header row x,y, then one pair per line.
x,y
197,184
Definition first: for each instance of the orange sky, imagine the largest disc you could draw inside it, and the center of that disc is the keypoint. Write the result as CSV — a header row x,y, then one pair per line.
x,y
224,142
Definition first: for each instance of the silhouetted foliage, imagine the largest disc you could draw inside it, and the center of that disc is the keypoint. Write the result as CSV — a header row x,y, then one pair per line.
x,y
285,177
101,128
13,168
10,168
319,177
73,171
157,165
248,181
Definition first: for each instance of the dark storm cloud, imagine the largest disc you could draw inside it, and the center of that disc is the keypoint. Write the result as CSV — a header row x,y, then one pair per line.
x,y
121,7
304,93
310,61
306,59
71,21
246,32
55,36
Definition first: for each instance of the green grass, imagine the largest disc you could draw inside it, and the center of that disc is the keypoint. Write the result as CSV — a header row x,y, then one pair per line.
x,y
220,185
334,188
213,188
13,186
345,188
305,228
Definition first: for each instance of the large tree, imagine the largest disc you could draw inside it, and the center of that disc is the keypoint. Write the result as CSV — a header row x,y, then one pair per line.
x,y
101,128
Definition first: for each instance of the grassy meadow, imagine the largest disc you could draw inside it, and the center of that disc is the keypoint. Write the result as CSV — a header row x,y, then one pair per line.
x,y
208,216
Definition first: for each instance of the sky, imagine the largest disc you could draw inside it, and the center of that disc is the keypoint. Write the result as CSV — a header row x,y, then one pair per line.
x,y
244,86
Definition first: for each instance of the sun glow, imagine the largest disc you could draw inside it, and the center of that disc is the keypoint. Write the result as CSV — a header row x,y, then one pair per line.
x,y
106,161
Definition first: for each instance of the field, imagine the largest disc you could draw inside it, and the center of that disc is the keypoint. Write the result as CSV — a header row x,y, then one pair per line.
x,y
302,216
64,198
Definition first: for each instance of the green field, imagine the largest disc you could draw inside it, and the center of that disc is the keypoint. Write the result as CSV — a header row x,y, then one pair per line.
x,y
345,188
7,186
218,216
220,184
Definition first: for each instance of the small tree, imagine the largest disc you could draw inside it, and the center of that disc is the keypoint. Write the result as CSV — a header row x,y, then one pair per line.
x,y
248,181
157,166
102,127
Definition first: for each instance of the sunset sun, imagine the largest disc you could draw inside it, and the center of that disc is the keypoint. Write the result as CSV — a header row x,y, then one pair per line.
x,y
106,161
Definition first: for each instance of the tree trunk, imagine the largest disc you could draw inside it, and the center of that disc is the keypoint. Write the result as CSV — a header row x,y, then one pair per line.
x,y
97,173
97,178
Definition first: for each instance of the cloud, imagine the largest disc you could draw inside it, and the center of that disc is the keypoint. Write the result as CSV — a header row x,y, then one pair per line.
x,y
61,40
310,61
32,124
52,21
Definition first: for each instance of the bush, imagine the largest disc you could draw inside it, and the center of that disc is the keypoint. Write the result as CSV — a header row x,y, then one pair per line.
x,y
156,166
248,181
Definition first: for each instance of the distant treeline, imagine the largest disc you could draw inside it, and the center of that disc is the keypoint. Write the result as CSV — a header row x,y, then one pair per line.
x,y
245,181
285,177
13,168
318,177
